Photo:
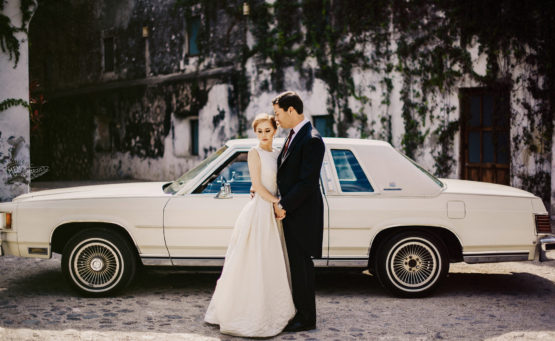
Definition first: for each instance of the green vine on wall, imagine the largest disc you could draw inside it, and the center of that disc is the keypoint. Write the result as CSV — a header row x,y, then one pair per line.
x,y
424,42
386,133
432,57
12,102
444,161
10,44
8,41
207,11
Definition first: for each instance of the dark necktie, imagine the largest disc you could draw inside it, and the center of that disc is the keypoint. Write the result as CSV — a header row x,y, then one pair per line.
x,y
288,142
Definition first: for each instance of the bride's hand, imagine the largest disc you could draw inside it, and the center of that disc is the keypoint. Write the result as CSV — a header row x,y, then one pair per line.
x,y
279,212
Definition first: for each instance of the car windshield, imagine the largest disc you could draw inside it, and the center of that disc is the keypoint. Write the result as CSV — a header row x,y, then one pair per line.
x,y
430,175
178,184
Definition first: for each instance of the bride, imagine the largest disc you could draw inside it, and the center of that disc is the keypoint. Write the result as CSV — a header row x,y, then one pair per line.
x,y
253,294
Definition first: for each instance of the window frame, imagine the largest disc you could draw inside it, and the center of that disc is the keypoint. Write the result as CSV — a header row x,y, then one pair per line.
x,y
220,154
500,96
188,31
329,124
209,178
337,190
104,57
194,143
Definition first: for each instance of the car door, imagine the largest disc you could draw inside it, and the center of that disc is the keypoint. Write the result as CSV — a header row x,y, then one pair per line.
x,y
351,197
198,225
326,176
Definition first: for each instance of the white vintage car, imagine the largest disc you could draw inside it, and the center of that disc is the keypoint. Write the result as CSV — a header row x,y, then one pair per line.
x,y
383,212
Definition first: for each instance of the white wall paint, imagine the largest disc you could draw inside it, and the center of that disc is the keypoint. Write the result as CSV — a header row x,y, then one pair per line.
x,y
177,158
367,83
212,137
14,122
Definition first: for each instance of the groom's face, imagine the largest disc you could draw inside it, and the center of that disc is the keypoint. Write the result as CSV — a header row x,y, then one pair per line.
x,y
284,117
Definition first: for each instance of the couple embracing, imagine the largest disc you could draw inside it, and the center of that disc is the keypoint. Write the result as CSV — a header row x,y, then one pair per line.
x,y
267,282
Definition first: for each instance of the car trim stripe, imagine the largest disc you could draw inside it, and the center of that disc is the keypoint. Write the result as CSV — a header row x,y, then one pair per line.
x,y
219,261
494,257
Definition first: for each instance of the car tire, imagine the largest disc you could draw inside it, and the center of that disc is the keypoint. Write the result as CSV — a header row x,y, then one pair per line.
x,y
99,262
411,264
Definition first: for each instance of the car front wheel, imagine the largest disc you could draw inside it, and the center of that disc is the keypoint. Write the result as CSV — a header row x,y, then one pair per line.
x,y
98,262
411,264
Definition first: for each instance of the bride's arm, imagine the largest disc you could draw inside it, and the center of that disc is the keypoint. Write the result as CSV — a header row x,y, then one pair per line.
x,y
254,170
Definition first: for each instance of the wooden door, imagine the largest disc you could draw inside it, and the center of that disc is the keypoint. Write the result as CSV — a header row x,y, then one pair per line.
x,y
485,147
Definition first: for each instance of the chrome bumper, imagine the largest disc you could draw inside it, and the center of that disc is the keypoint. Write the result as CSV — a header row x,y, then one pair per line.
x,y
547,248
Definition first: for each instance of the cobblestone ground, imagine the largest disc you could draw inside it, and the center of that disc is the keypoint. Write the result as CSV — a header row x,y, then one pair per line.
x,y
506,301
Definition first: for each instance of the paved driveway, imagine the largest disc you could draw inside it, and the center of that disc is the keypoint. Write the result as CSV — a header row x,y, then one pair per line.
x,y
494,301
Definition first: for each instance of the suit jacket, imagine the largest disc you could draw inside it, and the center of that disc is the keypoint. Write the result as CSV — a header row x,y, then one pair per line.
x,y
298,180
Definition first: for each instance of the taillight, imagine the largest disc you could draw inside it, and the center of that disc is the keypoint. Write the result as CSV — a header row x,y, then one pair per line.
x,y
6,221
543,223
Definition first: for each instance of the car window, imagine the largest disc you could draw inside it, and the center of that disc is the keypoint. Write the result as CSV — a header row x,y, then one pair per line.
x,y
235,171
178,184
350,174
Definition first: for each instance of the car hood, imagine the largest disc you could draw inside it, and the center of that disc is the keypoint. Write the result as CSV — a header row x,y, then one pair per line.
x,y
133,189
483,188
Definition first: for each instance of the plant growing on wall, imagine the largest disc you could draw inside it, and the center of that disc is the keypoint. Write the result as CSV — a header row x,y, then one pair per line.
x,y
427,43
8,41
37,101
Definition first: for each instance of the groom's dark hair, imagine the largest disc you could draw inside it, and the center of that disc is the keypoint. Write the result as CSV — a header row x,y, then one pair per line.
x,y
289,99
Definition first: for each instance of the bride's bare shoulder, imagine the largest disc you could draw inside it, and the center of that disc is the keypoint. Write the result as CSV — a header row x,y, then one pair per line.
x,y
253,153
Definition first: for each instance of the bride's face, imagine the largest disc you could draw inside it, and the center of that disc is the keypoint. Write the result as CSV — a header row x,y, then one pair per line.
x,y
265,132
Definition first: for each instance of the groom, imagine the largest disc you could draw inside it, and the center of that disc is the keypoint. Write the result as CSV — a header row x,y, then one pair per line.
x,y
298,177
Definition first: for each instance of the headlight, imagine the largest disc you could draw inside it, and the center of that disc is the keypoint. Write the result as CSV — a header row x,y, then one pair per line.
x,y
5,220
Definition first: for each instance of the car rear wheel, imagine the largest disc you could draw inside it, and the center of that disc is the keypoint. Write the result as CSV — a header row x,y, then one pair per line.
x,y
98,262
411,264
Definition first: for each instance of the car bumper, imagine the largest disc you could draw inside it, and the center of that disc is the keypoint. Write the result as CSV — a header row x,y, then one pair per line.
x,y
6,247
547,248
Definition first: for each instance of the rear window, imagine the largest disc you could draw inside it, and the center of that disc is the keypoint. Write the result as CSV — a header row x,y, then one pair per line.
x,y
350,174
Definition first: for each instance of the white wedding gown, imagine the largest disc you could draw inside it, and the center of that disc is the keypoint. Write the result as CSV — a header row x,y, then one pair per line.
x,y
253,294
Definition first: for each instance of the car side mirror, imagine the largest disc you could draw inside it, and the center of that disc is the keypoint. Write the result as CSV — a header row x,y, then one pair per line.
x,y
225,191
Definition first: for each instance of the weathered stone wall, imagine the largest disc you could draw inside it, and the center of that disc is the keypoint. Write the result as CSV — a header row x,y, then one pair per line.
x,y
109,134
359,63
134,121
15,165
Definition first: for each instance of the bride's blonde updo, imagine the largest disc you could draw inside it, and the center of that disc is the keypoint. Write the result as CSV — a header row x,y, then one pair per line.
x,y
264,117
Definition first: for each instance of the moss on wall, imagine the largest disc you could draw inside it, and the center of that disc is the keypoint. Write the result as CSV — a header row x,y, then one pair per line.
x,y
430,51
426,42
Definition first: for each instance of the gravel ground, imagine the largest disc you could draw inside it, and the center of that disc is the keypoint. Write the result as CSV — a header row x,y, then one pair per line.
x,y
504,301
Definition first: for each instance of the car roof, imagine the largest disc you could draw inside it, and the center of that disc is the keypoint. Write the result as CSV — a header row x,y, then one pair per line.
x,y
329,141
393,175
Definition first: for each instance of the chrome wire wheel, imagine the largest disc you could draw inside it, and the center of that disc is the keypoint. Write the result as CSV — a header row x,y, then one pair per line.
x,y
413,264
97,265
99,261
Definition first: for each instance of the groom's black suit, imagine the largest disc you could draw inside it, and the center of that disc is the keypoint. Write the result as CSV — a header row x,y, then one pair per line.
x,y
298,179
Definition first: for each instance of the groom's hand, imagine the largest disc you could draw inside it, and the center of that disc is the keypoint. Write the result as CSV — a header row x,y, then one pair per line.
x,y
280,212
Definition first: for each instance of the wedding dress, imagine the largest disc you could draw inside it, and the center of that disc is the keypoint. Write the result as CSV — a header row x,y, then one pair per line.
x,y
253,294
